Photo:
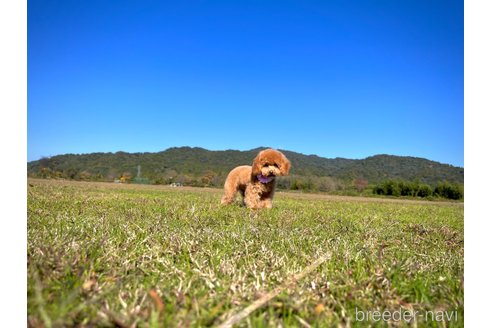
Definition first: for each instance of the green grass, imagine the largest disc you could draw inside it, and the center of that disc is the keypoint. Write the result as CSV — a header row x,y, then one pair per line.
x,y
142,256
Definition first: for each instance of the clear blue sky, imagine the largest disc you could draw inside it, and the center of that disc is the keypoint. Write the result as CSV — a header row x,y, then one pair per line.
x,y
333,78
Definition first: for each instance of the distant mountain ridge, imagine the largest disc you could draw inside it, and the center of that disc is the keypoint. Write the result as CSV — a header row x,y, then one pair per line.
x,y
197,162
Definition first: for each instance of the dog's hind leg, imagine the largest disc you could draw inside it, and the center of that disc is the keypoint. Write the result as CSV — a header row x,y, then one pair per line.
x,y
229,194
228,199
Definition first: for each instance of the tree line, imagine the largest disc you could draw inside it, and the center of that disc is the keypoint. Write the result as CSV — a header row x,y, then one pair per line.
x,y
416,189
376,175
395,188
194,162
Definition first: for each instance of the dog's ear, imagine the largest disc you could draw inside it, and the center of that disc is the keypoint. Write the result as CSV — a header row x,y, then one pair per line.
x,y
284,166
257,164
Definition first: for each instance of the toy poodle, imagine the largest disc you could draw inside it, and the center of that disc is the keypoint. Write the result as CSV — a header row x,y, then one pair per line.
x,y
256,183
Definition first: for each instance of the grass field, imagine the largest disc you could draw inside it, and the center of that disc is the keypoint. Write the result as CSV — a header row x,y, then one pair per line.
x,y
144,256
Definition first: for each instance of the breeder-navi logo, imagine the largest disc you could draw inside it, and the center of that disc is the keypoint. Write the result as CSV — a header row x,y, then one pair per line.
x,y
405,315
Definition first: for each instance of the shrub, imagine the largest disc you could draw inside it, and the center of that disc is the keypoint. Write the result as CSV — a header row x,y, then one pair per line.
x,y
450,191
407,188
424,190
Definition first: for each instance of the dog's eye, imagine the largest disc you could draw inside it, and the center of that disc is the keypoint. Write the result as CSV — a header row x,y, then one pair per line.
x,y
276,165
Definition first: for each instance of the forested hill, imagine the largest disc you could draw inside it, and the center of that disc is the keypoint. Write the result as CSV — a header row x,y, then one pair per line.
x,y
187,164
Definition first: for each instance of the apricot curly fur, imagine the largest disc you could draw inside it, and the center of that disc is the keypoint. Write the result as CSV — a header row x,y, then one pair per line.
x,y
269,164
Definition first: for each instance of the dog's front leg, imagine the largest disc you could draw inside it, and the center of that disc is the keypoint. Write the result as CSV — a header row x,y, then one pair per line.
x,y
266,203
252,197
